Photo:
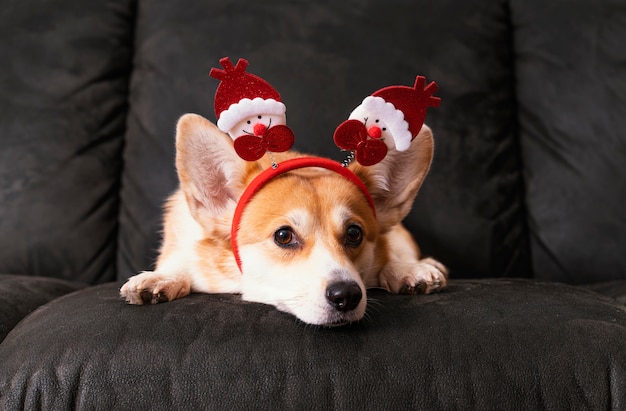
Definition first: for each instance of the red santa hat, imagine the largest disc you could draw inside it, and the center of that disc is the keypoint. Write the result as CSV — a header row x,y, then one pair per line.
x,y
241,95
402,109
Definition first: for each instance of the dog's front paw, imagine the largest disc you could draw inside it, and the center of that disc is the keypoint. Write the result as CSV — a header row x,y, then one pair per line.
x,y
422,277
152,288
427,276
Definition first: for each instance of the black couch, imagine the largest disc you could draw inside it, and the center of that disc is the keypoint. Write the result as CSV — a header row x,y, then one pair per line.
x,y
525,202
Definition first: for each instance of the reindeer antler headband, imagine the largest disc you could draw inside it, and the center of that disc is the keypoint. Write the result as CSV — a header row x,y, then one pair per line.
x,y
250,110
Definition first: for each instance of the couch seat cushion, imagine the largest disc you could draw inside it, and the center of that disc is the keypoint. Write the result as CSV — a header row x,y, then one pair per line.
x,y
480,344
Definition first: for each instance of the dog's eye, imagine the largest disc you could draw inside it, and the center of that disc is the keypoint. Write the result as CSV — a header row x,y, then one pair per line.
x,y
354,236
285,237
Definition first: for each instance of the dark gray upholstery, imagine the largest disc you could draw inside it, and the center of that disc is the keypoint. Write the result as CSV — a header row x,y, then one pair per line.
x,y
478,345
571,95
63,93
20,295
524,202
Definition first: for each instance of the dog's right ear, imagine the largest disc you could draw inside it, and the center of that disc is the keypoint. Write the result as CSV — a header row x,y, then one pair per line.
x,y
395,181
211,173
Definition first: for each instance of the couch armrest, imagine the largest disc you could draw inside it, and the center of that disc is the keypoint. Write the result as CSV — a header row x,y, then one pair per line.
x,y
20,295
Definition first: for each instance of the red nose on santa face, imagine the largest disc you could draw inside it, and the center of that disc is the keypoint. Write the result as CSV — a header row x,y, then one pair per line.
x,y
374,132
259,129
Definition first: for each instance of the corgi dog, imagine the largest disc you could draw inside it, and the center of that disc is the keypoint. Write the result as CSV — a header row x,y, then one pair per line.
x,y
309,241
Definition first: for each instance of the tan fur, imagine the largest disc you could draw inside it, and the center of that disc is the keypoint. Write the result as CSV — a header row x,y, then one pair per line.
x,y
316,204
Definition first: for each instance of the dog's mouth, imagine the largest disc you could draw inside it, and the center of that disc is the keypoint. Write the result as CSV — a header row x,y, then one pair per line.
x,y
330,319
340,319
337,323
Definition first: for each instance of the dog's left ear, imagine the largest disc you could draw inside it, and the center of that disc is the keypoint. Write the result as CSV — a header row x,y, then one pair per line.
x,y
394,182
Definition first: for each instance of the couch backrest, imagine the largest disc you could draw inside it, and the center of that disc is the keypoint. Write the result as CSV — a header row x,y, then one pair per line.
x,y
571,91
64,69
88,130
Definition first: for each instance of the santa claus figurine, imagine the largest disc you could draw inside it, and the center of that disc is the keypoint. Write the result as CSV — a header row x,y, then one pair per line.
x,y
250,110
388,119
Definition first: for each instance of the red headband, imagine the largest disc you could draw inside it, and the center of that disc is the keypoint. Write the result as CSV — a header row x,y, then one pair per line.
x,y
284,167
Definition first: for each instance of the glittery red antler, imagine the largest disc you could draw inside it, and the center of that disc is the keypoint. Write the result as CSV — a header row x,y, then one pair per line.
x,y
229,69
427,92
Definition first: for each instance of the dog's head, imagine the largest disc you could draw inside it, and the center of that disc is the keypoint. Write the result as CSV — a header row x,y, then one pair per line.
x,y
309,241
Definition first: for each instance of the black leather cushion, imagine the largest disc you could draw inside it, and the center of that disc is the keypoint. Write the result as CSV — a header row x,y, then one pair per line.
x,y
571,66
20,295
480,344
64,74
324,57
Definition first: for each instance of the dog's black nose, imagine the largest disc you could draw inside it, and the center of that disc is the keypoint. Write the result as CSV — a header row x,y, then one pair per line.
x,y
344,296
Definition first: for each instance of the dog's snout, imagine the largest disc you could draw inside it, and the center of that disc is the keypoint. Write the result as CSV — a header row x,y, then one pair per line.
x,y
344,295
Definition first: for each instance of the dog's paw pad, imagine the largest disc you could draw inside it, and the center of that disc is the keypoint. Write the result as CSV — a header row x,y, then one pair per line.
x,y
149,297
418,287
